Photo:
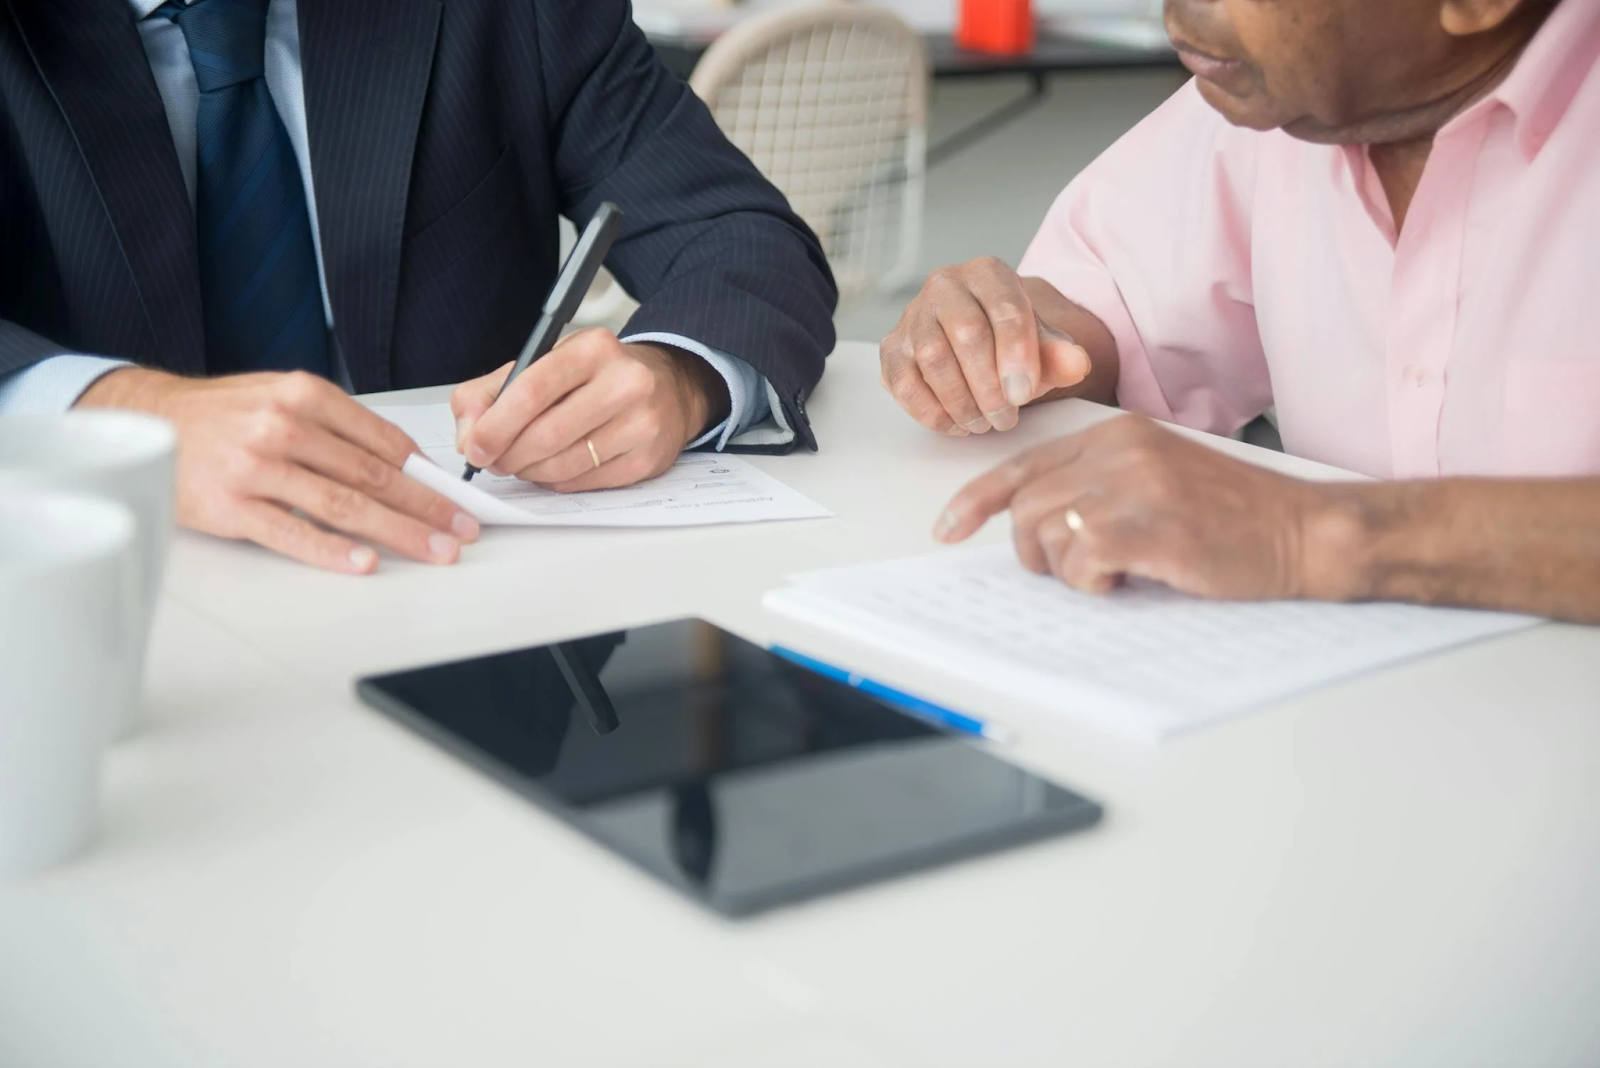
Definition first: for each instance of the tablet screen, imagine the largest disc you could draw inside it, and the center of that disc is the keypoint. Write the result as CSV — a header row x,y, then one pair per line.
x,y
736,776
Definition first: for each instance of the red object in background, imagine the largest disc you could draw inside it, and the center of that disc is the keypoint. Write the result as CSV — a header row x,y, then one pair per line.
x,y
1004,27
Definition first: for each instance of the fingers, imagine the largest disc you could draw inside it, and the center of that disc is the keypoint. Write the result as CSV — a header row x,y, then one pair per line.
x,y
1036,548
1037,525
536,391
1064,363
626,457
627,399
1051,532
1082,555
1085,569
1055,535
276,529
623,433
384,483
993,492
904,381
320,401
275,458
352,512
951,313
563,427
471,399
937,365
972,385
1015,357
966,352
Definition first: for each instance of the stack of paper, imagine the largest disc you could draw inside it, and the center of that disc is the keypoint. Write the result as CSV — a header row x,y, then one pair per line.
x,y
700,489
1144,662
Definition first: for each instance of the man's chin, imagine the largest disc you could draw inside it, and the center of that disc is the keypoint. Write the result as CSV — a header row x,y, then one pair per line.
x,y
1252,112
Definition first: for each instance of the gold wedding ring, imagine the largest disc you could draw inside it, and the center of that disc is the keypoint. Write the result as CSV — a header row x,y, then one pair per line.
x,y
594,453
1074,521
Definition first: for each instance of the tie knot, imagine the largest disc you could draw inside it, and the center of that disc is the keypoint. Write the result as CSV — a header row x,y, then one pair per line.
x,y
227,39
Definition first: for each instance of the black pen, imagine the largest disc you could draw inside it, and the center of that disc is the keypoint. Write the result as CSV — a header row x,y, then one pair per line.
x,y
572,285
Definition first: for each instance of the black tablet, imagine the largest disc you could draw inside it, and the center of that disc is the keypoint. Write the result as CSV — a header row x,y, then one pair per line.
x,y
738,777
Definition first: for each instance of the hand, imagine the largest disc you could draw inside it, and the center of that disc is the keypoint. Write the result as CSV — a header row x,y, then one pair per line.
x,y
638,404
254,449
971,350
1152,504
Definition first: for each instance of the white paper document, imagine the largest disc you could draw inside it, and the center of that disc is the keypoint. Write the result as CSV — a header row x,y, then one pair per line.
x,y
700,489
1144,662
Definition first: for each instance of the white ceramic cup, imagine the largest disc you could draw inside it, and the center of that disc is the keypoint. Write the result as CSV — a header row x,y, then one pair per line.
x,y
123,456
67,575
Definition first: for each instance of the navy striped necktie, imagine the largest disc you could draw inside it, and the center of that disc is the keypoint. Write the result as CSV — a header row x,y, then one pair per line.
x,y
258,266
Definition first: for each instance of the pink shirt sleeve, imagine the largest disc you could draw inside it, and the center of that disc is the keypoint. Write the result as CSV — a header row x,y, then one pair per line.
x,y
1153,238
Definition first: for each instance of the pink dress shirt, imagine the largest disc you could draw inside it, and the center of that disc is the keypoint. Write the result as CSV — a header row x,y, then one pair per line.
x,y
1238,270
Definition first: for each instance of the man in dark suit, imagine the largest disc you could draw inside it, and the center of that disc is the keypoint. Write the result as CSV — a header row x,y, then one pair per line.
x,y
232,213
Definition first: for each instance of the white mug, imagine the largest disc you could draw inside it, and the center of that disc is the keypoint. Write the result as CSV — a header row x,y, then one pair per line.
x,y
67,570
123,456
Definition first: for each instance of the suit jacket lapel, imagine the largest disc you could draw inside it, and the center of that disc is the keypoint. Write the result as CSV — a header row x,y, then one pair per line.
x,y
92,59
366,66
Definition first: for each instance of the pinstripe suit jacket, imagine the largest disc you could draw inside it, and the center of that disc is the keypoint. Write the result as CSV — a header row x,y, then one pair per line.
x,y
446,138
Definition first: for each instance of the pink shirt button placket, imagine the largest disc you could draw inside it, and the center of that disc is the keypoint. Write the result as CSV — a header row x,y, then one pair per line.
x,y
1425,298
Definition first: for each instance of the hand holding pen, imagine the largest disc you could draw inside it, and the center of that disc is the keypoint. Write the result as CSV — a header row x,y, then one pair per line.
x,y
594,413
572,285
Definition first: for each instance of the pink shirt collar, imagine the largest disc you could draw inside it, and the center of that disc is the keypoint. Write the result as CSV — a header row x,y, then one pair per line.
x,y
1541,87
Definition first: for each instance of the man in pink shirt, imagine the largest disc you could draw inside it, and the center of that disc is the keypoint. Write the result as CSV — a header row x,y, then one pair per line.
x,y
1381,216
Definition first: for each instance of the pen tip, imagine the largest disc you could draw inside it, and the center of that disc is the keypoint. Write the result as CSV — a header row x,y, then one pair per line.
x,y
467,475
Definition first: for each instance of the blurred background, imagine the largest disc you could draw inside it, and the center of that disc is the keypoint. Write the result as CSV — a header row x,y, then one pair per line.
x,y
902,148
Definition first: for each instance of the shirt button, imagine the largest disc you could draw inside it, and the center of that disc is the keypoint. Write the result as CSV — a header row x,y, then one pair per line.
x,y
1416,375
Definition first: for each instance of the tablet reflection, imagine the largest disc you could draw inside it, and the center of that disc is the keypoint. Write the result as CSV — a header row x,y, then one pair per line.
x,y
694,831
517,707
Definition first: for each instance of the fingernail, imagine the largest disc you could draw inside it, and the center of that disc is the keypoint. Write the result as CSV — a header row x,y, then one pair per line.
x,y
946,524
442,547
463,432
1018,389
1084,363
465,527
978,426
1004,419
959,432
363,559
477,457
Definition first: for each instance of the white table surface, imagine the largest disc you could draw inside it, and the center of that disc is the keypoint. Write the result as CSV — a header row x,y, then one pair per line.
x,y
1401,870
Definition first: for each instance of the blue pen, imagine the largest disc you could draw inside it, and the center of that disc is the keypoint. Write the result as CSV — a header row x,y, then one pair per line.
x,y
925,710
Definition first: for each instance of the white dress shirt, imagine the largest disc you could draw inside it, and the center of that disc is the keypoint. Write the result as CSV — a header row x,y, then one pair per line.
x,y
55,384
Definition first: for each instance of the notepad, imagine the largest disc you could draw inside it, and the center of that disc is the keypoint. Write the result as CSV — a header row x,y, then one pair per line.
x,y
701,488
1144,662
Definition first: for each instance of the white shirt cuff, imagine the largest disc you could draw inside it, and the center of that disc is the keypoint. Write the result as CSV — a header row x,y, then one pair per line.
x,y
53,385
748,391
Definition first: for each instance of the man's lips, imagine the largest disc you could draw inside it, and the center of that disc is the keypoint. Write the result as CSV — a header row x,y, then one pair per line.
x,y
1205,65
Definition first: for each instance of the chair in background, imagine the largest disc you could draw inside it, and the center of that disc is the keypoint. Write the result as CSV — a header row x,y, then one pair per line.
x,y
830,100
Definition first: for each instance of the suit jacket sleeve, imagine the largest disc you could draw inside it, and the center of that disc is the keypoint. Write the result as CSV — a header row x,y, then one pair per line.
x,y
21,348
709,246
